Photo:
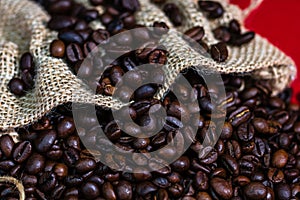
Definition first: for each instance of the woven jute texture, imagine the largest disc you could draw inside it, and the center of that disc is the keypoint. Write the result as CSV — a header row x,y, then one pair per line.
x,y
23,28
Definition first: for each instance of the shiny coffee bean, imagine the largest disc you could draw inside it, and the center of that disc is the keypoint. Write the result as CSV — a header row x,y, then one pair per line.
x,y
47,181
195,33
74,53
174,14
219,52
17,86
21,151
57,49
244,38
6,145
255,190
222,33
280,158
61,22
222,188
214,9
90,190
45,140
35,164
70,37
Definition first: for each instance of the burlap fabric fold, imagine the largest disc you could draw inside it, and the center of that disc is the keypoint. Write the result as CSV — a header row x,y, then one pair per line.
x,y
23,30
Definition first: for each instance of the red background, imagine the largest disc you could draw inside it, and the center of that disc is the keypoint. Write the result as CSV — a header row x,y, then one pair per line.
x,y
278,21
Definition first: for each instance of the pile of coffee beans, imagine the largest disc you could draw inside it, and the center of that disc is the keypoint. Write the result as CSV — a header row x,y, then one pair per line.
x,y
19,86
256,156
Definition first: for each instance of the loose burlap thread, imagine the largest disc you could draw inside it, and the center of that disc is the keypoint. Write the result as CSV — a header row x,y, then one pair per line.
x,y
22,30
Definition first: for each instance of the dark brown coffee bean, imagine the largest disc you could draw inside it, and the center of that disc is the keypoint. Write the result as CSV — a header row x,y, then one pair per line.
x,y
201,181
181,164
144,92
255,190
60,7
234,27
280,158
45,140
89,47
65,127
90,190
61,170
84,165
47,181
70,157
222,33
74,52
60,22
157,57
57,48
108,191
73,180
259,148
239,116
27,78
35,164
89,15
245,132
219,52
222,187
6,165
283,191
214,9
195,33
124,190
275,175
174,14
175,190
70,37
161,182
17,86
230,164
226,131
22,151
6,145
26,62
244,38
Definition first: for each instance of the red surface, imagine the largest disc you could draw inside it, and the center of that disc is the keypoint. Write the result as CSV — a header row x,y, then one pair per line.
x,y
279,21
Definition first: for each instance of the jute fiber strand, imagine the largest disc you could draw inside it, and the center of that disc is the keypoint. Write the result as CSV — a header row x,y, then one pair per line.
x,y
23,30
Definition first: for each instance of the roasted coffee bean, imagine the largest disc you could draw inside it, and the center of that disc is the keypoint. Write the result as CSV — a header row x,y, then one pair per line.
x,y
61,170
84,165
239,116
6,145
27,78
57,48
201,181
230,164
35,164
47,181
6,165
259,147
26,62
73,180
74,52
90,190
61,22
214,9
157,57
115,26
222,187
65,127
280,158
45,140
245,132
219,52
234,27
222,33
174,14
283,191
70,37
275,175
70,157
89,15
60,7
17,86
255,190
21,151
130,5
144,92
244,38
124,190
195,33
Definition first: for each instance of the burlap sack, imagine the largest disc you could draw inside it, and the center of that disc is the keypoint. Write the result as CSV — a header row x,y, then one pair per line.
x,y
23,28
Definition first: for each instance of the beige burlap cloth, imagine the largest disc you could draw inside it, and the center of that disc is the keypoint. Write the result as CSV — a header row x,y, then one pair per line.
x,y
23,28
